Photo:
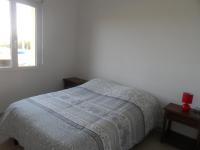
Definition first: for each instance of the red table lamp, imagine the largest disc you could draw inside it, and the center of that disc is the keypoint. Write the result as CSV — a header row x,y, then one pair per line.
x,y
187,99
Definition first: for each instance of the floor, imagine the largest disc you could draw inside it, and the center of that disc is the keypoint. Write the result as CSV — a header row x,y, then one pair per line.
x,y
152,142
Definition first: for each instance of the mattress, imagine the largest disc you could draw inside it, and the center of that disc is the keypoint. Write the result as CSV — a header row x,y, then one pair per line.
x,y
98,115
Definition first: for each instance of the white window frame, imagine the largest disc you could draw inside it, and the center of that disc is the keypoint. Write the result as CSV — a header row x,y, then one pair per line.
x,y
38,39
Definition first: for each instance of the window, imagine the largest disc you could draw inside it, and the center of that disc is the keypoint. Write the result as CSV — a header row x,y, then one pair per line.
x,y
20,32
5,34
26,35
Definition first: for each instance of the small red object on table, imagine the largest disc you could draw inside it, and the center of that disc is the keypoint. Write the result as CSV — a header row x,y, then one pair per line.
x,y
187,99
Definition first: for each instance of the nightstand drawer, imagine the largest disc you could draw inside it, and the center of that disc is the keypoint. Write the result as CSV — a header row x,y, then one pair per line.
x,y
72,82
187,121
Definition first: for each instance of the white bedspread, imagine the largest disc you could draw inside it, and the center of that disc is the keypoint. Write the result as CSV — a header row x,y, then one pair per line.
x,y
98,115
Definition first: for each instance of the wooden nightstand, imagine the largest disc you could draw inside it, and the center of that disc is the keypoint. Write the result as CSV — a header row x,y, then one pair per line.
x,y
174,112
72,82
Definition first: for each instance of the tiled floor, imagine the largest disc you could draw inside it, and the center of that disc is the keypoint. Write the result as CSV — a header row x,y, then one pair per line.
x,y
152,142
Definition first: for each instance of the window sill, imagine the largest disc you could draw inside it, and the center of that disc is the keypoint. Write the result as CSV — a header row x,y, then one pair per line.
x,y
14,69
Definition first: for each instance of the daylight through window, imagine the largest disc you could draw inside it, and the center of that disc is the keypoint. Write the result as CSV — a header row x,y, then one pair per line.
x,y
18,30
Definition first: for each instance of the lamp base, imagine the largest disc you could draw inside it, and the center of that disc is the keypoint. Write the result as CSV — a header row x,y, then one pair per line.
x,y
186,107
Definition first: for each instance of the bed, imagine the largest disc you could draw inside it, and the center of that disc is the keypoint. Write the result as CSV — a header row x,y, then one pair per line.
x,y
98,115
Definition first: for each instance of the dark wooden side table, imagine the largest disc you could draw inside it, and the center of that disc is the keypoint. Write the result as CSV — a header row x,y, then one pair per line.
x,y
72,82
173,112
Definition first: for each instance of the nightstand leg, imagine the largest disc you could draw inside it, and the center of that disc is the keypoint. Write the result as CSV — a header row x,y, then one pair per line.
x,y
169,125
164,129
198,141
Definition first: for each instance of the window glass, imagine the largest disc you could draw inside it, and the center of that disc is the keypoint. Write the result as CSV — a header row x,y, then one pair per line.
x,y
26,27
5,34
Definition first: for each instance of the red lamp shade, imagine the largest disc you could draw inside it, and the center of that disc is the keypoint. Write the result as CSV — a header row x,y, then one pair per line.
x,y
187,98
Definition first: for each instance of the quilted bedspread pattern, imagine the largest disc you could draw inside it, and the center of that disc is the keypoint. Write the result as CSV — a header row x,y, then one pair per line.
x,y
98,115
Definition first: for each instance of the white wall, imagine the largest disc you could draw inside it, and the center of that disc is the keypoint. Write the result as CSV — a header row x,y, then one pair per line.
x,y
151,44
60,20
